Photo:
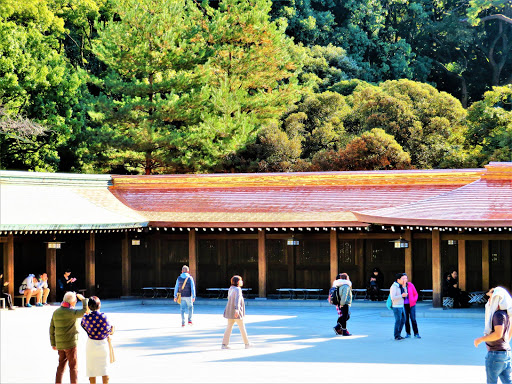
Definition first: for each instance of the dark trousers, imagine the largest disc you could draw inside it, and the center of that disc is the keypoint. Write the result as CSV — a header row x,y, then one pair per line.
x,y
8,299
345,316
67,356
373,293
410,313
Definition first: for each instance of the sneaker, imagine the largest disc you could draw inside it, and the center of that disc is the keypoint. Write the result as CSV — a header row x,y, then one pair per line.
x,y
46,304
407,336
183,324
417,336
39,305
189,322
224,346
337,331
345,332
399,338
11,308
247,346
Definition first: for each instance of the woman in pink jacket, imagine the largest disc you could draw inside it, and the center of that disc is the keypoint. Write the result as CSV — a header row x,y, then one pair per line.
x,y
410,309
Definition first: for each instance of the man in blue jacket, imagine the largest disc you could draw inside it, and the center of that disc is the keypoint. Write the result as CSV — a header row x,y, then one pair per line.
x,y
185,285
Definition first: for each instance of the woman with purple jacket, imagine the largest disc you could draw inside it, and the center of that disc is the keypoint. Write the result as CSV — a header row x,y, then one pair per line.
x,y
410,309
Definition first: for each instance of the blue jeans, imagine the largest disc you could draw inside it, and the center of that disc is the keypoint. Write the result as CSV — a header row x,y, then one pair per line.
x,y
497,364
410,312
399,320
186,302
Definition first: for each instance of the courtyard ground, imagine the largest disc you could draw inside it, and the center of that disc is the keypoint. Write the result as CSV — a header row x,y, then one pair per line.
x,y
292,344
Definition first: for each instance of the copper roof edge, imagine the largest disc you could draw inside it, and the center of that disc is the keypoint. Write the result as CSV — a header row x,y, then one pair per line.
x,y
291,224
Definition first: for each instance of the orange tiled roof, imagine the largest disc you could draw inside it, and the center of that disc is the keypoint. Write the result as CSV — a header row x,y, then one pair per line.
x,y
486,202
280,199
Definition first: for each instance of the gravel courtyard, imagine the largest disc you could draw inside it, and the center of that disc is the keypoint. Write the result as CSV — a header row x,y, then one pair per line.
x,y
292,344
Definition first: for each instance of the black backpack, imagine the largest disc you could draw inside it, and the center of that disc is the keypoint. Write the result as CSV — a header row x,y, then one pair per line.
x,y
334,295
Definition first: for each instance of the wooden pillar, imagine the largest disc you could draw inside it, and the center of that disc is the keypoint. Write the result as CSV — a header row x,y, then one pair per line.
x,y
290,255
333,237
192,255
485,265
436,269
158,259
90,264
262,265
408,254
51,270
359,253
9,264
461,251
126,266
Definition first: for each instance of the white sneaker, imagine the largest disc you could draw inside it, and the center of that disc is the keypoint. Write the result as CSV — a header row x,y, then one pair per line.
x,y
247,346
224,346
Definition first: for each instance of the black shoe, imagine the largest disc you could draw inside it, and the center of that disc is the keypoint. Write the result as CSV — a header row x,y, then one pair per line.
x,y
399,338
337,330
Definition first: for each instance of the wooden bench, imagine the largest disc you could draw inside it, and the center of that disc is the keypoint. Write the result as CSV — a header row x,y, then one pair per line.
x,y
155,292
356,292
24,298
305,292
220,293
426,294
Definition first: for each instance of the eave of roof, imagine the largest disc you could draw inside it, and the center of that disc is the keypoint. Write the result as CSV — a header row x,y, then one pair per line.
x,y
484,203
32,201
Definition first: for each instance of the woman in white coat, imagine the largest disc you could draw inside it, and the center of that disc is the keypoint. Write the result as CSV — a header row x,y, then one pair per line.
x,y
235,312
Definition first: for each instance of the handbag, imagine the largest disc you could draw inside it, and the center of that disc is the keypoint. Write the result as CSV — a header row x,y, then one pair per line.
x,y
178,296
389,303
111,350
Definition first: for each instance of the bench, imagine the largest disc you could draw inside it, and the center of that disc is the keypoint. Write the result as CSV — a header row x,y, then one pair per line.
x,y
447,302
477,297
305,292
356,292
220,293
24,298
155,292
426,294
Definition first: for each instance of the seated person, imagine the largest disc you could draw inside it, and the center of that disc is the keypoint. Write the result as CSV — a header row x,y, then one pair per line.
x,y
451,289
4,293
42,284
29,288
374,285
65,284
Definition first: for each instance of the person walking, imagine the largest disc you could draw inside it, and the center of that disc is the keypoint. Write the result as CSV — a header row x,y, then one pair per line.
x,y
410,309
97,350
344,286
64,334
498,312
398,292
235,312
186,287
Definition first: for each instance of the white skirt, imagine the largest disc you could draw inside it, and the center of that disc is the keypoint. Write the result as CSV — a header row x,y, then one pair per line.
x,y
97,358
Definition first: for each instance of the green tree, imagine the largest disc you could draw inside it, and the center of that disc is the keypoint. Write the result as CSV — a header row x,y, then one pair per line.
x,y
489,136
189,84
36,83
373,150
428,124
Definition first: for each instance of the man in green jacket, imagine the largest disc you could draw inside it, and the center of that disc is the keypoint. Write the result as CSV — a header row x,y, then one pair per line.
x,y
64,334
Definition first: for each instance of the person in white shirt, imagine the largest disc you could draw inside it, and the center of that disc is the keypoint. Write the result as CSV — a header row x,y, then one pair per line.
x,y
42,284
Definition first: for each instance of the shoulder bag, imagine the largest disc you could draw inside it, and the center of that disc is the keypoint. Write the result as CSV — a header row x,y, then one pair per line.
x,y
178,296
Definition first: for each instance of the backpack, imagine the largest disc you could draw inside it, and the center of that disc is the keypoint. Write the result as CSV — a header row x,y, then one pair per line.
x,y
334,296
389,303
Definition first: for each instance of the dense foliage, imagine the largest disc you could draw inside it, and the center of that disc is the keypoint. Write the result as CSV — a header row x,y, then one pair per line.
x,y
154,86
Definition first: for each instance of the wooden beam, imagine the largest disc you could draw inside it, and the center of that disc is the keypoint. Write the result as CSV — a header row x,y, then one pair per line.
x,y
262,265
365,235
334,255
9,264
476,236
408,254
289,251
126,266
192,255
436,269
51,270
461,251
485,265
90,264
